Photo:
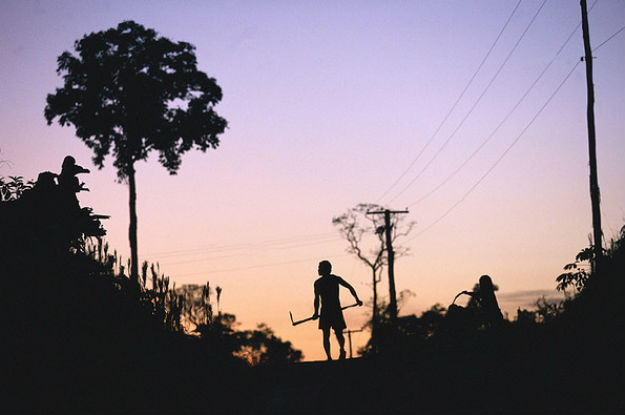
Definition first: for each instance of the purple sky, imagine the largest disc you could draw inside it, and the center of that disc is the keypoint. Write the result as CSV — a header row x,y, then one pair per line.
x,y
328,103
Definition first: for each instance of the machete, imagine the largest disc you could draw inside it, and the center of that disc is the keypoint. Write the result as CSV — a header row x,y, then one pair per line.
x,y
295,323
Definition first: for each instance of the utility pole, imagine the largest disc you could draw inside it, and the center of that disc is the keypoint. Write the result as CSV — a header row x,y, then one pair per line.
x,y
349,336
590,115
391,258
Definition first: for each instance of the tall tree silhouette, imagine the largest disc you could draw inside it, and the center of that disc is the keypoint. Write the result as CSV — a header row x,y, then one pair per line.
x,y
129,91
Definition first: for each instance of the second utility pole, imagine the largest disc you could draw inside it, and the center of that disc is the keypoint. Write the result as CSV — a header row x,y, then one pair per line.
x,y
391,259
592,153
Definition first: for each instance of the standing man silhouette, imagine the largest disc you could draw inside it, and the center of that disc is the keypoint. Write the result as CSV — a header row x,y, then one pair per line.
x,y
327,289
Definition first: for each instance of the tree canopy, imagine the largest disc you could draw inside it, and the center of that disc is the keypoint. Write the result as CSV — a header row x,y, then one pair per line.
x,y
130,91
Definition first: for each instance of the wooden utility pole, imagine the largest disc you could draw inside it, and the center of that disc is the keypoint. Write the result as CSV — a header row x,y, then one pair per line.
x,y
590,114
349,336
391,259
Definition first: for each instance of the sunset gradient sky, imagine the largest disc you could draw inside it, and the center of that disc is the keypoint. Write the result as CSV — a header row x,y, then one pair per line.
x,y
329,103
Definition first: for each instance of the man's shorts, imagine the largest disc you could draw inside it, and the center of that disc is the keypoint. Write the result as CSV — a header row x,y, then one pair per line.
x,y
333,319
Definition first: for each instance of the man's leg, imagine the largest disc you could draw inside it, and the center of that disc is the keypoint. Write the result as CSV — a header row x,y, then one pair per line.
x,y
326,342
341,340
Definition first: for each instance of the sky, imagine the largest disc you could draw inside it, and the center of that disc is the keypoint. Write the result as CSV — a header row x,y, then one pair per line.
x,y
330,104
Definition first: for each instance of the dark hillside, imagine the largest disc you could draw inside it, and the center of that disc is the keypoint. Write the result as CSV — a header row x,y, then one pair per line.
x,y
78,334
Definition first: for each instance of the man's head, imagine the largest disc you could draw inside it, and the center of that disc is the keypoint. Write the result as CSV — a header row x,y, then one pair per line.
x,y
69,166
68,162
486,284
325,268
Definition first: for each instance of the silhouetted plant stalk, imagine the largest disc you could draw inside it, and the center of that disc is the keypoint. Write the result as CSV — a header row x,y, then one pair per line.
x,y
218,290
197,309
181,309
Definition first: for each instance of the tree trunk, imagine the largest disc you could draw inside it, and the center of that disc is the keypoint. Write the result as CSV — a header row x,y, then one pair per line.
x,y
132,229
374,315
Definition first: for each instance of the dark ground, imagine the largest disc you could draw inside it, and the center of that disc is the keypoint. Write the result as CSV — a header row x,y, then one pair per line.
x,y
485,375
395,385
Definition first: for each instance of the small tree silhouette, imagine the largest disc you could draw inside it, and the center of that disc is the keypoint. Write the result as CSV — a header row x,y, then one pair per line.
x,y
353,225
129,91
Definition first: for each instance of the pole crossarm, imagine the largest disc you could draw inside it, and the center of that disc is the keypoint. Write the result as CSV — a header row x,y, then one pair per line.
x,y
381,212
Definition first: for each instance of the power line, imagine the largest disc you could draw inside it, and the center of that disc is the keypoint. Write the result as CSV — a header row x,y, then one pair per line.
x,y
277,242
262,244
273,264
608,39
474,104
491,135
501,157
211,258
454,105
282,241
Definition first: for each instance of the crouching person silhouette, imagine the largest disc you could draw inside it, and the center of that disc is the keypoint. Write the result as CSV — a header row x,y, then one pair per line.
x,y
487,302
327,289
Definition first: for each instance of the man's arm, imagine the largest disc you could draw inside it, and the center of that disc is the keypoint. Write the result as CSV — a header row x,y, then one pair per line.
x,y
351,290
474,294
316,304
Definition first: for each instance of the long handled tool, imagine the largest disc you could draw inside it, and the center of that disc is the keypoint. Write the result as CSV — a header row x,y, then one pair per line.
x,y
459,294
456,297
295,323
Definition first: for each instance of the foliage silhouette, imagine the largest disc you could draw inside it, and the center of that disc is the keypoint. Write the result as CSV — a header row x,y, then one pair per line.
x,y
13,188
255,347
129,92
387,338
261,347
576,276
